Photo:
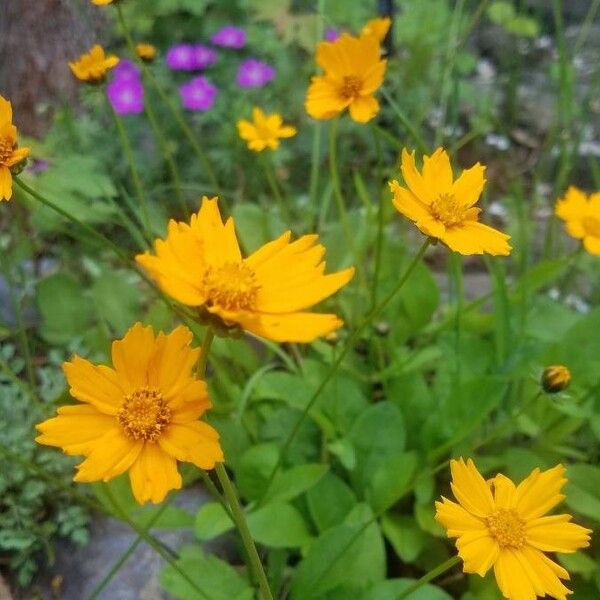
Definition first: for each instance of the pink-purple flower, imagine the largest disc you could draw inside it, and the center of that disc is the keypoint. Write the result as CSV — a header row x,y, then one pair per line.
x,y
331,34
126,96
229,37
126,71
204,56
198,94
190,57
254,73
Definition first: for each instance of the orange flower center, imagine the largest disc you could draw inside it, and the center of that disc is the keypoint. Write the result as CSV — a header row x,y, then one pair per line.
x,y
232,286
507,528
7,146
351,86
446,209
144,415
592,225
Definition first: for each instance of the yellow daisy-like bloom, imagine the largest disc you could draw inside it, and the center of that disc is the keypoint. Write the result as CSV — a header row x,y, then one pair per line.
x,y
377,28
103,2
581,215
265,131
503,526
353,72
445,209
10,155
147,52
201,265
140,416
555,378
93,66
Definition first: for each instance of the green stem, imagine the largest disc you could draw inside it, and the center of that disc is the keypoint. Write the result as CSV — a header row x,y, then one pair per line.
x,y
209,336
374,312
275,189
73,219
201,155
431,575
414,132
242,527
380,221
135,175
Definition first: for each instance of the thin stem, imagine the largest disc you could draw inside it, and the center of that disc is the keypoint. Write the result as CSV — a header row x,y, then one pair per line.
x,y
242,527
414,132
185,128
431,575
380,221
275,189
135,175
209,336
374,312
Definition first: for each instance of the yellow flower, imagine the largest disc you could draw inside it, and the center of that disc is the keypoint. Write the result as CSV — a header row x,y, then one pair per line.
x,y
501,525
555,378
94,65
581,215
103,2
445,209
353,72
377,28
146,52
201,265
265,131
10,155
140,416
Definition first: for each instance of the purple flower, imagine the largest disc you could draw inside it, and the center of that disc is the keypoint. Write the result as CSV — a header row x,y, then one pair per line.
x,y
229,37
126,96
254,73
39,165
198,94
126,71
203,56
331,34
181,57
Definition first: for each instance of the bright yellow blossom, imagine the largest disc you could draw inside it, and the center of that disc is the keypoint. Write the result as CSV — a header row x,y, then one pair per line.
x,y
377,28
140,416
581,215
201,265
147,52
265,131
445,209
503,526
103,2
353,72
10,154
93,66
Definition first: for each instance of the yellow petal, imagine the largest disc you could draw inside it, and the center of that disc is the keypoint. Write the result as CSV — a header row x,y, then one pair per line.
x,y
592,244
112,455
266,252
437,172
153,475
131,356
512,579
472,237
364,108
323,100
504,492
478,550
470,488
413,179
468,187
5,111
96,384
455,519
407,203
557,534
190,403
5,183
573,206
76,429
194,442
540,492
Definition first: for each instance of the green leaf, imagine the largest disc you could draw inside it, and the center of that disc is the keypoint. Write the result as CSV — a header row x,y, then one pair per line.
x,y
217,579
256,226
117,300
211,520
406,537
278,525
351,554
392,588
254,470
580,563
391,480
583,490
501,12
65,310
293,482
523,27
377,434
330,501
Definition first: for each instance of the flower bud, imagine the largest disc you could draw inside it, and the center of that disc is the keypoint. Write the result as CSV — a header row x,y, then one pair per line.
x,y
555,378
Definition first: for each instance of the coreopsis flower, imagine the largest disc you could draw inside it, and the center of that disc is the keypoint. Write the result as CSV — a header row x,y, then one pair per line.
x,y
229,37
353,72
254,73
581,214
503,526
147,52
93,66
445,209
126,96
555,378
264,131
11,156
104,2
267,293
141,415
198,94
378,28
